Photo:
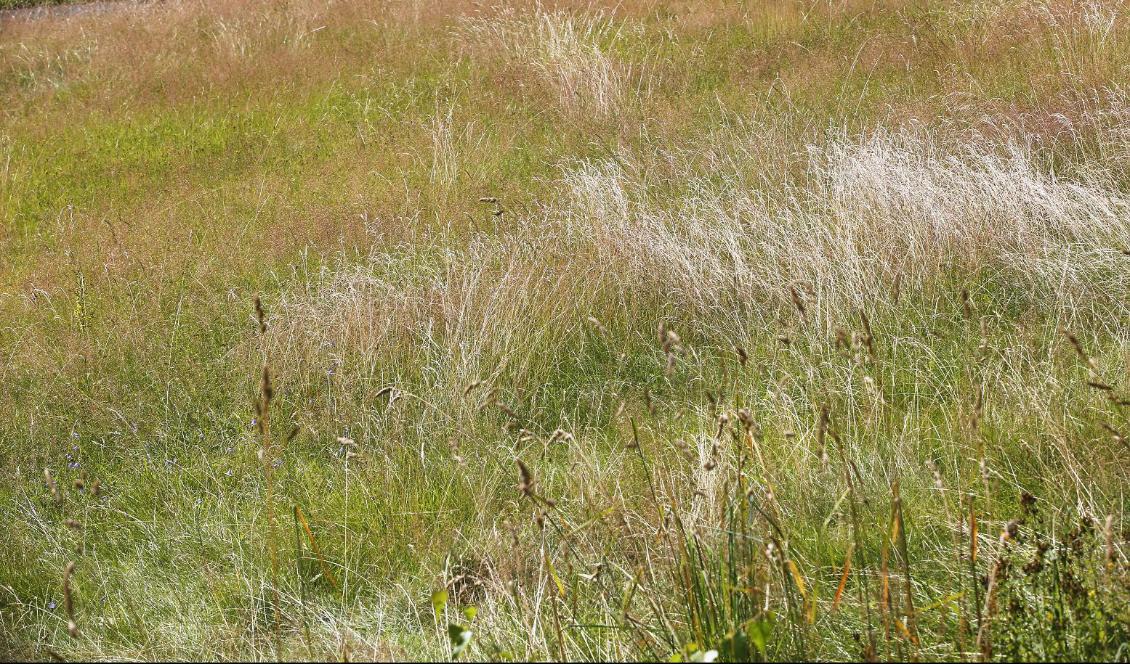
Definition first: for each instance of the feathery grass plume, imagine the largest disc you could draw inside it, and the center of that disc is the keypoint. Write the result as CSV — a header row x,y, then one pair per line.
x,y
526,479
1115,434
514,421
753,436
69,600
266,456
975,420
260,316
984,636
868,337
1078,347
560,435
1094,380
669,342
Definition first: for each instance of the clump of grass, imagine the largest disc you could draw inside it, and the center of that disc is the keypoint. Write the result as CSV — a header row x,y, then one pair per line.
x,y
568,52
870,211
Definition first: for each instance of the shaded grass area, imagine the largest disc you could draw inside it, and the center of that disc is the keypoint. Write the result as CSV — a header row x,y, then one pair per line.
x,y
24,4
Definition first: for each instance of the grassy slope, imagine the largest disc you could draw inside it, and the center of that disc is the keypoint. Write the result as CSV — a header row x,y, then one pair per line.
x,y
162,167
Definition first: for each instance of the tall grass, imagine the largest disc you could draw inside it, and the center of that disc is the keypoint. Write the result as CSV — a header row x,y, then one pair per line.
x,y
583,331
816,276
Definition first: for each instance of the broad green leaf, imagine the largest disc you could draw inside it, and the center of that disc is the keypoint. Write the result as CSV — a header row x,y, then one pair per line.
x,y
439,600
460,636
758,631
735,647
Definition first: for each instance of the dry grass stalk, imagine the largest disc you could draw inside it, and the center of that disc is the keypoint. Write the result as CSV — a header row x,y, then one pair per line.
x,y
821,434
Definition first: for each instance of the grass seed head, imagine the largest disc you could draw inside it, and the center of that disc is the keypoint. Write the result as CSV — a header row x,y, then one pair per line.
x,y
68,599
51,488
798,302
260,315
525,479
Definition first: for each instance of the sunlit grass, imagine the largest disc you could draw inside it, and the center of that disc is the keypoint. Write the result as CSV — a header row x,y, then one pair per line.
x,y
749,292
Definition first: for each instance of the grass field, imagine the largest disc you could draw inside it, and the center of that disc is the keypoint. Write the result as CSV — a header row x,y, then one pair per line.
x,y
404,329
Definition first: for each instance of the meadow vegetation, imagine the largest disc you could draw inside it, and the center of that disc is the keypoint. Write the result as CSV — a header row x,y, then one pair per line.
x,y
398,329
